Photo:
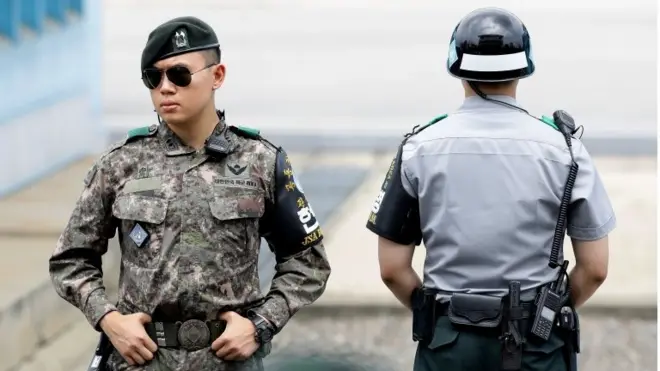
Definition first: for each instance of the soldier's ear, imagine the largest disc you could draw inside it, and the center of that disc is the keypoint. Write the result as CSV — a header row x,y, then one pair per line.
x,y
219,73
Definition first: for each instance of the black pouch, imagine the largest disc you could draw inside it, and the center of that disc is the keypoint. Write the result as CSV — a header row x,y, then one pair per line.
x,y
476,310
422,308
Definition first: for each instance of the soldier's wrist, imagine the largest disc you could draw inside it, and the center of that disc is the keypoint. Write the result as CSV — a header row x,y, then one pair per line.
x,y
97,305
105,323
274,312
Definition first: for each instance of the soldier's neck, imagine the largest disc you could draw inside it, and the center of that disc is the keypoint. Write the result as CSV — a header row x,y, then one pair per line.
x,y
503,88
195,132
506,92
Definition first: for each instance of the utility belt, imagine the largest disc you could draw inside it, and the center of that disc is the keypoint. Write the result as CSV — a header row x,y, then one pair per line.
x,y
507,318
191,335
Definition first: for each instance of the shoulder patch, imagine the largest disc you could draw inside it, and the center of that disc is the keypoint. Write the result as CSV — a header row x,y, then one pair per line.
x,y
417,129
144,131
549,121
289,224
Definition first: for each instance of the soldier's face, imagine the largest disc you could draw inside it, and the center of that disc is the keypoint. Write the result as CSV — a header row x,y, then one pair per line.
x,y
186,86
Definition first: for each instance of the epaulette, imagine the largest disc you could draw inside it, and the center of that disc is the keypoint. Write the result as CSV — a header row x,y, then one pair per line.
x,y
246,132
251,133
141,132
564,123
417,129
549,121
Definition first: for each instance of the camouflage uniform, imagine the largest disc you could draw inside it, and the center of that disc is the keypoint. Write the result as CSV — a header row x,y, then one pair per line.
x,y
190,227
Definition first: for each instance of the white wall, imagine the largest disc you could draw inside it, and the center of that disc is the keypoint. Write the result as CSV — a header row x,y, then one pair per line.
x,y
42,142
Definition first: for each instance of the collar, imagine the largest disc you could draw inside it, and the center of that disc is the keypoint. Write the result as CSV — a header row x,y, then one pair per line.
x,y
478,103
173,145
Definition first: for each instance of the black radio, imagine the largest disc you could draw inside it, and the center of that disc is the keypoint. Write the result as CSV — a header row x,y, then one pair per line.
x,y
547,306
548,303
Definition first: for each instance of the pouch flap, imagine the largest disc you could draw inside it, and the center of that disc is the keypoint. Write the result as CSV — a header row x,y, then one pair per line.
x,y
475,310
140,208
237,207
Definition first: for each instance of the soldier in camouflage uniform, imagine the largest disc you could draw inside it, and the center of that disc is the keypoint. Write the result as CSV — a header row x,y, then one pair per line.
x,y
191,199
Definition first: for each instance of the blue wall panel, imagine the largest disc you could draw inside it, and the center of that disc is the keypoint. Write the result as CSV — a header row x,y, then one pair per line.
x,y
10,18
76,6
50,90
33,13
56,10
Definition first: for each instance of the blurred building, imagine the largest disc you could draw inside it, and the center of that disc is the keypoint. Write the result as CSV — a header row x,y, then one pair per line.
x,y
50,76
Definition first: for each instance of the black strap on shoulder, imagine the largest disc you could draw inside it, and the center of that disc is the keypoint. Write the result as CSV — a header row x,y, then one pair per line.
x,y
565,124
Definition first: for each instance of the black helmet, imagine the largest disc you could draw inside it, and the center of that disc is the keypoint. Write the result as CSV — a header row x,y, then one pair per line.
x,y
490,45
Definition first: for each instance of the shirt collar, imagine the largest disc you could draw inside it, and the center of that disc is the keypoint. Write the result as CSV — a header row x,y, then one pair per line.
x,y
476,102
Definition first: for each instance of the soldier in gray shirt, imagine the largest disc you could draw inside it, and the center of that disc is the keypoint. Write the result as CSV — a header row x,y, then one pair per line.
x,y
482,187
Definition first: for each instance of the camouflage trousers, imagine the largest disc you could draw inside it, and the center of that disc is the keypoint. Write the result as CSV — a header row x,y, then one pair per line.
x,y
183,360
453,349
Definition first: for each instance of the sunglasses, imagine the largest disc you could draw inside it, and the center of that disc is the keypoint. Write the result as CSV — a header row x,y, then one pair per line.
x,y
178,75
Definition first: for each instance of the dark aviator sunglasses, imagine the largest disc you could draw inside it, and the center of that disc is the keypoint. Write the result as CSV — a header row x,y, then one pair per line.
x,y
178,75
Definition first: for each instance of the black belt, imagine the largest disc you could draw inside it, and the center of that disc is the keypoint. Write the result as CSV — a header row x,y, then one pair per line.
x,y
191,335
526,310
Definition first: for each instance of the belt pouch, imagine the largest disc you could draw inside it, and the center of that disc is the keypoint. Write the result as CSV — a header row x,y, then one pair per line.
x,y
476,310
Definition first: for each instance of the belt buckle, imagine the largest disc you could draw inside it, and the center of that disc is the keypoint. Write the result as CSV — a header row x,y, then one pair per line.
x,y
193,335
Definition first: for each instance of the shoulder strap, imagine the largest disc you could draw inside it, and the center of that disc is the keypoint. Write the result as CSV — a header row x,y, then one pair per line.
x,y
141,132
550,122
417,129
246,132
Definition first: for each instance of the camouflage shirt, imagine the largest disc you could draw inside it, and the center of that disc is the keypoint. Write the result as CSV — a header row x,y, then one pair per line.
x,y
189,226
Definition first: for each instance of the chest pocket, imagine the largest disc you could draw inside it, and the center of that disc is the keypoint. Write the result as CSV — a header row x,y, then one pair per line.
x,y
149,213
236,224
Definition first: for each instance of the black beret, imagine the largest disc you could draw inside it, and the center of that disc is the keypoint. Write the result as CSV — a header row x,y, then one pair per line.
x,y
178,36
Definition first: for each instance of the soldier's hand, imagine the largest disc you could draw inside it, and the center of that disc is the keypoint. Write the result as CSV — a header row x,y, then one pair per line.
x,y
238,342
127,334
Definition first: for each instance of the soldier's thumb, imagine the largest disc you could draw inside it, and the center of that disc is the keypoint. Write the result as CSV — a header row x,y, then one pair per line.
x,y
143,318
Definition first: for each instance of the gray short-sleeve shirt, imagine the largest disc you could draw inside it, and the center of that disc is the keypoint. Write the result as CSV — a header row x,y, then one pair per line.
x,y
489,181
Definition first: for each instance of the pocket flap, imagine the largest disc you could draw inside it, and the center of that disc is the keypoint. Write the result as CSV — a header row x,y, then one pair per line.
x,y
475,310
237,207
444,334
147,209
